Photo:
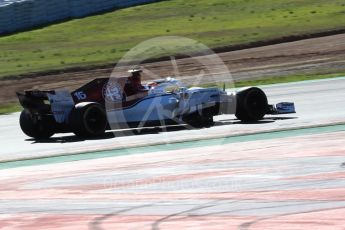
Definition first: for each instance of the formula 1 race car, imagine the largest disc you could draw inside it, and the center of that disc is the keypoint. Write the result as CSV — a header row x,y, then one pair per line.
x,y
109,103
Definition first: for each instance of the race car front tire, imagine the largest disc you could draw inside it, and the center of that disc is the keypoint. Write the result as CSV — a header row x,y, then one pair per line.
x,y
42,128
88,119
251,105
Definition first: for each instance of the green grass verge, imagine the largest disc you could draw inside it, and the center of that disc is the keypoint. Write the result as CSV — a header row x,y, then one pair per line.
x,y
15,107
9,108
286,79
106,38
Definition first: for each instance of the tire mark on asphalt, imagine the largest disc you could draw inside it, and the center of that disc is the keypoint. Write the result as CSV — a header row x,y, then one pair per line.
x,y
247,225
95,224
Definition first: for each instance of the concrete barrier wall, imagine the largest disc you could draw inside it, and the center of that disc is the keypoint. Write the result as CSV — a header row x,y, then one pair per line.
x,y
17,15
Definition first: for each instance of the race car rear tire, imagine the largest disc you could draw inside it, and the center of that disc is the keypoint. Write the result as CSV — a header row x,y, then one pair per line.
x,y
251,105
88,119
38,129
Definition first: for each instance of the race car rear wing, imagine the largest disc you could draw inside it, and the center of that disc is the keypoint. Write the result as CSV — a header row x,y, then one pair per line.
x,y
35,100
59,103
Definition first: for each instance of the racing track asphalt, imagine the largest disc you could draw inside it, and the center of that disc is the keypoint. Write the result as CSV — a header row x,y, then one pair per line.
x,y
293,180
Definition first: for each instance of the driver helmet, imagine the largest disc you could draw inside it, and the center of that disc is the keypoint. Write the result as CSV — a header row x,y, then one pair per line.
x,y
135,73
